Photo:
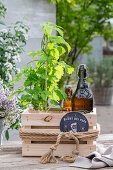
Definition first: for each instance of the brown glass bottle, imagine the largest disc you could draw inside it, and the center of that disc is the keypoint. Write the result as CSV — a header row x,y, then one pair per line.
x,y
82,99
68,105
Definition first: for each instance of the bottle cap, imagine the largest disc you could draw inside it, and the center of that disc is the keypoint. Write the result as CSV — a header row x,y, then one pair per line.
x,y
82,70
68,87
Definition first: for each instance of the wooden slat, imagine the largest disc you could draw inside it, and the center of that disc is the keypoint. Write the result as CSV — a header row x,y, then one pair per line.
x,y
54,138
91,142
51,131
28,127
26,141
63,149
47,128
38,119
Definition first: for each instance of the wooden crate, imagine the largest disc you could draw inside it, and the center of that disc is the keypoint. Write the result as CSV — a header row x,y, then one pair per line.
x,y
49,122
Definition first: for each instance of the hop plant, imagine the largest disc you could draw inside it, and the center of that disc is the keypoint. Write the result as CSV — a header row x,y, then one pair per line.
x,y
41,82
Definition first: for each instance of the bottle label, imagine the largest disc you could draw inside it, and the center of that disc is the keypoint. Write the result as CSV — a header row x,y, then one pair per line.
x,y
84,93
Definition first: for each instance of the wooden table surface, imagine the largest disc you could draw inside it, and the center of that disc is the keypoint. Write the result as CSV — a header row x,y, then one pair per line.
x,y
11,159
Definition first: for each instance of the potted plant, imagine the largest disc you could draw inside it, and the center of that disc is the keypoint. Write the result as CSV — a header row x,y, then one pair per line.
x,y
101,74
41,82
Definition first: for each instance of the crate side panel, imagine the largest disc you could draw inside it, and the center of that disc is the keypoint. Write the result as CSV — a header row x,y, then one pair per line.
x,y
49,119
63,149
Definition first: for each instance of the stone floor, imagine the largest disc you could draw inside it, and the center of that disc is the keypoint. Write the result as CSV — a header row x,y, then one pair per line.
x,y
11,158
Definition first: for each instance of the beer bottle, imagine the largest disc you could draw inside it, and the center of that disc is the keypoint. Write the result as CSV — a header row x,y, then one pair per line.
x,y
68,105
82,99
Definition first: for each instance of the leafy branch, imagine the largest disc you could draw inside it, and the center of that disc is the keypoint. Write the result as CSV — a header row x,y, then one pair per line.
x,y
41,82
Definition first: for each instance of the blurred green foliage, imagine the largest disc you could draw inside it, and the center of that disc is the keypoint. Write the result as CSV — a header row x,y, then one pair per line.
x,y
101,73
82,21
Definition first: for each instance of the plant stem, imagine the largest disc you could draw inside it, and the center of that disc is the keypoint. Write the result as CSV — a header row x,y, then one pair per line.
x,y
46,80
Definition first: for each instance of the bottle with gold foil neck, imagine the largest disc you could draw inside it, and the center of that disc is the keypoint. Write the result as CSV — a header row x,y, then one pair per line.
x,y
82,99
68,105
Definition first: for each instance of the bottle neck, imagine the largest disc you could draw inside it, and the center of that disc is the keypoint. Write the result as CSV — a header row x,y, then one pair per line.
x,y
69,93
82,83
82,77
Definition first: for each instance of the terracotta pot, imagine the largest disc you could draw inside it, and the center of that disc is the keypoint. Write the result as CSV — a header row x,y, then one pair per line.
x,y
102,96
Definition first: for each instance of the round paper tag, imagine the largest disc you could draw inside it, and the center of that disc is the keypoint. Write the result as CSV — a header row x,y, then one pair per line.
x,y
74,121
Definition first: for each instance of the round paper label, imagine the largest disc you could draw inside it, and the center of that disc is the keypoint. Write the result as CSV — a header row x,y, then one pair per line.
x,y
74,121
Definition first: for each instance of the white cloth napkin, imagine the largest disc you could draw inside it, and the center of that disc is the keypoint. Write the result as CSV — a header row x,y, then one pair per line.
x,y
95,160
